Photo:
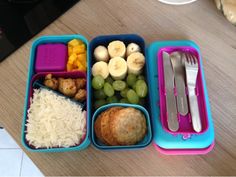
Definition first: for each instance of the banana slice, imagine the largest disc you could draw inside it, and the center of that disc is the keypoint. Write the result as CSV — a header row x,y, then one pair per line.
x,y
116,49
100,68
131,48
117,68
101,53
135,63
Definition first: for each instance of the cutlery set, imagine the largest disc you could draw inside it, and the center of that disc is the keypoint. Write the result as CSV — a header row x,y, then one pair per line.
x,y
180,78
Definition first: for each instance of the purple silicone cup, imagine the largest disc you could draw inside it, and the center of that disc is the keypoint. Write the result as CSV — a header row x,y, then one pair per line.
x,y
185,123
51,57
73,75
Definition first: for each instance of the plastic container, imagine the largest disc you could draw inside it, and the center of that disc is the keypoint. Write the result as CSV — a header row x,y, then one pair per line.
x,y
51,57
144,143
185,122
105,40
32,76
166,141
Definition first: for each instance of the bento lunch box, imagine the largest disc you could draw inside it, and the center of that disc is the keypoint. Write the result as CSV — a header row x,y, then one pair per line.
x,y
105,40
33,75
185,141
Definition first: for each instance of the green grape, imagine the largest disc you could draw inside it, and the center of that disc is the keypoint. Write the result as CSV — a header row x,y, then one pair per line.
x,y
131,79
141,88
134,86
108,89
99,103
112,99
97,82
124,100
132,97
123,93
141,77
99,94
119,85
109,80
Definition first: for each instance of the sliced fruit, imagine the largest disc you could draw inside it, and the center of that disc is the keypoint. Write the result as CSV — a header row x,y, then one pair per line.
x,y
131,79
79,66
116,49
79,49
112,99
82,58
119,85
132,97
99,94
70,50
109,80
124,100
141,88
74,42
134,86
117,68
69,67
123,93
135,63
108,89
101,53
100,68
97,82
72,58
131,48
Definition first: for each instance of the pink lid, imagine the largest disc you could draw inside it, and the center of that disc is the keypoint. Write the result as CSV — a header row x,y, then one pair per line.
x,y
184,151
51,57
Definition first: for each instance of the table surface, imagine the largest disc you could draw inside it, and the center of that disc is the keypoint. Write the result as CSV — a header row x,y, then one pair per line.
x,y
200,22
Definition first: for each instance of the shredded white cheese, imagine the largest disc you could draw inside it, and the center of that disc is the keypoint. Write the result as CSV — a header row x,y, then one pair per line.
x,y
54,121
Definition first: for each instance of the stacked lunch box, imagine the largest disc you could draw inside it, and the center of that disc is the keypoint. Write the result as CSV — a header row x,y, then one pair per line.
x,y
181,142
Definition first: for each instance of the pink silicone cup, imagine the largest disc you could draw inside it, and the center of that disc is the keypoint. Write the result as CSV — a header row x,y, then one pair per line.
x,y
74,74
185,124
184,151
51,57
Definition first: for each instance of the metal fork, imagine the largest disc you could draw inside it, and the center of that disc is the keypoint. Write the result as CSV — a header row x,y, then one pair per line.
x,y
191,68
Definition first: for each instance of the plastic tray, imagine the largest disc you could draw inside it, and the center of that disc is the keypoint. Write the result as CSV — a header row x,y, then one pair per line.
x,y
185,122
161,137
144,143
32,77
105,40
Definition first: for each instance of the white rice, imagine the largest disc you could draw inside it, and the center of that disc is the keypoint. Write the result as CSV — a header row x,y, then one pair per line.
x,y
54,121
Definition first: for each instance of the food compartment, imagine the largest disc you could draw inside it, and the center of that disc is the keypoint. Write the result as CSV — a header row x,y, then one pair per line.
x,y
118,75
64,53
185,121
104,133
38,83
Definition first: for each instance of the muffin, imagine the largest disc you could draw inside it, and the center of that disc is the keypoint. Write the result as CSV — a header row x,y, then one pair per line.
x,y
128,126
